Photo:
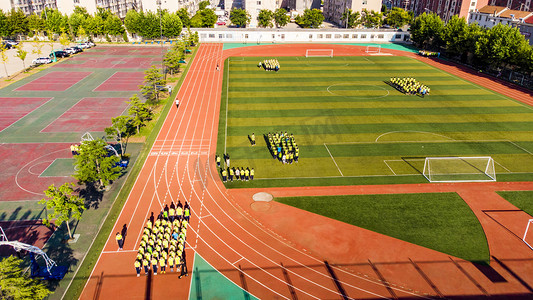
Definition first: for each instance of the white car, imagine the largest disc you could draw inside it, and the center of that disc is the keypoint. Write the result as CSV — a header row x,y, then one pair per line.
x,y
70,50
41,60
84,45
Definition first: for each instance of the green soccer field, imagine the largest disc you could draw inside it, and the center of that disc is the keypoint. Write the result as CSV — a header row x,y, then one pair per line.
x,y
353,128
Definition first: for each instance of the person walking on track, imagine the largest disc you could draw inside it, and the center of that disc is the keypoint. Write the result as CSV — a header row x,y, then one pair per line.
x,y
120,240
137,265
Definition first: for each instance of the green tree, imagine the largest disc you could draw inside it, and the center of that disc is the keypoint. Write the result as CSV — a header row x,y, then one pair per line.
x,y
38,49
427,30
171,24
265,18
133,21
184,17
207,18
149,27
371,19
354,18
454,36
281,18
113,25
64,40
397,17
4,25
64,204
18,22
4,57
54,21
21,53
77,19
140,112
239,17
312,18
121,129
36,24
203,4
15,283
82,34
153,81
172,61
94,164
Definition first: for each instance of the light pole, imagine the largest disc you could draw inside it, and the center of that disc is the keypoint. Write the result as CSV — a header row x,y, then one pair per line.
x,y
161,36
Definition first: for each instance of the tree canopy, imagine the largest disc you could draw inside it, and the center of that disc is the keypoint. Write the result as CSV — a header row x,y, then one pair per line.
x,y
281,18
16,285
239,17
354,18
153,81
64,204
95,164
265,18
312,18
427,30
397,17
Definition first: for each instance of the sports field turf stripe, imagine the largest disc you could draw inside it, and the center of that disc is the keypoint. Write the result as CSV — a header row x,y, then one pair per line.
x,y
341,69
348,74
324,79
350,88
282,122
367,128
354,94
324,83
390,98
273,113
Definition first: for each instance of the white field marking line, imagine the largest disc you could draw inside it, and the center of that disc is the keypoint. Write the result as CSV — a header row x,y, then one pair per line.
x,y
95,89
254,222
389,167
359,97
519,147
502,166
332,158
206,216
412,131
77,82
26,165
77,102
38,174
24,116
238,260
368,59
192,275
234,221
227,103
345,176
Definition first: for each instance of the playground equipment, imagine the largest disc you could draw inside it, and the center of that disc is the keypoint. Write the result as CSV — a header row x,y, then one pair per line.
x,y
52,271
87,136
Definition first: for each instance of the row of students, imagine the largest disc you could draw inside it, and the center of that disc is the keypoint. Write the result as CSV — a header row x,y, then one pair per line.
x,y
163,242
269,65
283,147
428,53
238,174
409,86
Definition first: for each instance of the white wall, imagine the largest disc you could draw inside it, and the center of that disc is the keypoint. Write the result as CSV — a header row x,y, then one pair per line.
x,y
300,35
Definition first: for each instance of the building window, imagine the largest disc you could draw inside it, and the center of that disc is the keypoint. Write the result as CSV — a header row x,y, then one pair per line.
x,y
346,36
229,36
203,35
211,35
381,36
220,36
398,36
363,36
283,36
354,36
337,36
310,36
328,36
320,36
246,36
473,4
364,2
259,3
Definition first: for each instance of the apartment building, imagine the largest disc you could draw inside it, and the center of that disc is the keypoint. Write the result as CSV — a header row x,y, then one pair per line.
x,y
445,9
28,7
489,16
333,9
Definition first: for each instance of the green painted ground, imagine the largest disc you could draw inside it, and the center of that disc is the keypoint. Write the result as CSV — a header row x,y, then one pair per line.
x,y
59,167
402,47
441,222
209,283
520,199
353,128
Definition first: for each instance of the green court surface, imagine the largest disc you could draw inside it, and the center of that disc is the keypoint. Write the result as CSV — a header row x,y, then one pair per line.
x,y
394,46
59,167
520,199
353,128
442,222
209,283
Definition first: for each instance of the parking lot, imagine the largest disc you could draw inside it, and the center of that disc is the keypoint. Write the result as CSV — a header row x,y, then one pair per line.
x,y
14,64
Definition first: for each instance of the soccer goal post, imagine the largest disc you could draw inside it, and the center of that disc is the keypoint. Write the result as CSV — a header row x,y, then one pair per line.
x,y
319,53
459,169
373,49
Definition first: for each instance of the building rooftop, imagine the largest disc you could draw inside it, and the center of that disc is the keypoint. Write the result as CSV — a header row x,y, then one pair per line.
x,y
490,9
516,13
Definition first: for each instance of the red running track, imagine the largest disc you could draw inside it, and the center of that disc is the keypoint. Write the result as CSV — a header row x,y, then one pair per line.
x,y
247,242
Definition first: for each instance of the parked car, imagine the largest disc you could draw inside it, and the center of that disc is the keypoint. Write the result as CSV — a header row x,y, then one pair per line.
x,y
69,50
6,45
59,53
41,60
91,44
12,42
77,49
86,45
221,23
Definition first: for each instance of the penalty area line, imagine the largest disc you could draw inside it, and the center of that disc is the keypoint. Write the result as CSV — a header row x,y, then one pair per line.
x,y
334,159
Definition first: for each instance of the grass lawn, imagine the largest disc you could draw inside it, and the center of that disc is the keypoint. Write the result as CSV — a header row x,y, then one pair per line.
x,y
353,128
439,221
520,199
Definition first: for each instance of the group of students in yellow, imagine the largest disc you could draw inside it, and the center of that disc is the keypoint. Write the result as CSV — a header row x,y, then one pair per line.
x,y
163,241
75,149
229,173
409,86
269,64
428,53
283,147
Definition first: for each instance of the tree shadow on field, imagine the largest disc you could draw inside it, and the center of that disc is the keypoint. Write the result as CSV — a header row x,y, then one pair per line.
x,y
60,252
92,195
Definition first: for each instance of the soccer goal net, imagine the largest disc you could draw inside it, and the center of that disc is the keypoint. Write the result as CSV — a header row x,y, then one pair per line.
x,y
319,53
459,169
373,49
528,235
